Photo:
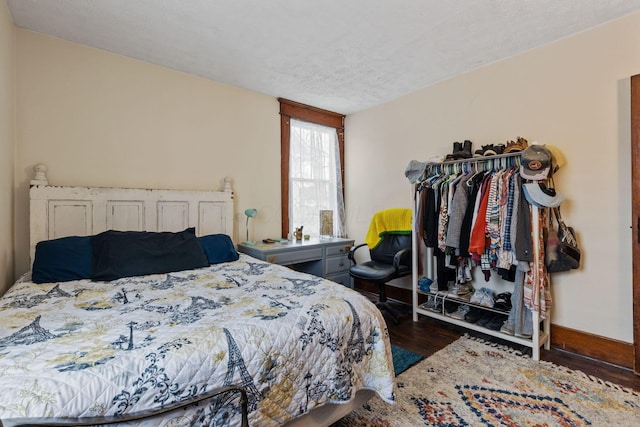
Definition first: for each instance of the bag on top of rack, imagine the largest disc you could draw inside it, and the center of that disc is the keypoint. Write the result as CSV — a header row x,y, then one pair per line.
x,y
562,252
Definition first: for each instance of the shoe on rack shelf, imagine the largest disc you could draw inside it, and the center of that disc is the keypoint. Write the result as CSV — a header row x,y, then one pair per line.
x,y
434,303
473,315
450,306
457,147
465,151
460,291
507,328
430,304
485,318
496,322
434,287
460,313
465,291
527,336
483,296
424,283
452,292
515,146
503,301
489,150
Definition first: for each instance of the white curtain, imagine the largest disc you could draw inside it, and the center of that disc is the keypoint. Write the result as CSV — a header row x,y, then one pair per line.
x,y
315,181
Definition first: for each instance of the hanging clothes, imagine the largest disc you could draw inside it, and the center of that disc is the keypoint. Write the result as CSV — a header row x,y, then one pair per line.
x,y
474,184
457,210
537,293
478,240
479,214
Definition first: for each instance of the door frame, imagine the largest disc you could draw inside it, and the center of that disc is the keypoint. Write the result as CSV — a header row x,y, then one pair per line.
x,y
635,215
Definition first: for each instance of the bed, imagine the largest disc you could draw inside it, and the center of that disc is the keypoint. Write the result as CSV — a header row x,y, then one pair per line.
x,y
234,334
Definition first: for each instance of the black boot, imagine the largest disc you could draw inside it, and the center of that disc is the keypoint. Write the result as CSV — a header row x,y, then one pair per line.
x,y
465,152
457,147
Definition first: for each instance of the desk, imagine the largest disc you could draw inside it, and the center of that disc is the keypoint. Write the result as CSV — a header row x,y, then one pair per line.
x,y
326,258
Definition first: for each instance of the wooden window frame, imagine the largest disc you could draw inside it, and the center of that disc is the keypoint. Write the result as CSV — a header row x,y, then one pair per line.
x,y
295,110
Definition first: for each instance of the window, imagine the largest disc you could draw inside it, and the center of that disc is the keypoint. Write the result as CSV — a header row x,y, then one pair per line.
x,y
312,151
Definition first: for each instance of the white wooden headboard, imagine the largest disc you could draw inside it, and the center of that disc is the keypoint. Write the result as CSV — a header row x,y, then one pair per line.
x,y
83,211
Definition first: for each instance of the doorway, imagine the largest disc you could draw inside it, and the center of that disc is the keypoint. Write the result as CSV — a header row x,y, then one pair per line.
x,y
635,215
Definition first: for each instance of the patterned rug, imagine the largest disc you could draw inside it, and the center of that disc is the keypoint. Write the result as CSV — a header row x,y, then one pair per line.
x,y
474,383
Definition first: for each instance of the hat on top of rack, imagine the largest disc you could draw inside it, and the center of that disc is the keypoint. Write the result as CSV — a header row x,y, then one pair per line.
x,y
539,195
535,162
415,170
558,159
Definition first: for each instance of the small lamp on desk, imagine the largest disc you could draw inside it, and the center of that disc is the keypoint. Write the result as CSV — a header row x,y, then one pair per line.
x,y
250,213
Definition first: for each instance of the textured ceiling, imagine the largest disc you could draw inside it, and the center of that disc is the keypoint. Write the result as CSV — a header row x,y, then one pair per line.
x,y
341,55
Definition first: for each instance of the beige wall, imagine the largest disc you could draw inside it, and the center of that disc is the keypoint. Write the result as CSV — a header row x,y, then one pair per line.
x,y
573,94
7,122
100,119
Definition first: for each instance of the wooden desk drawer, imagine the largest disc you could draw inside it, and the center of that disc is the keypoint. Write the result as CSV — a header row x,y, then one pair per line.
x,y
292,257
337,264
338,249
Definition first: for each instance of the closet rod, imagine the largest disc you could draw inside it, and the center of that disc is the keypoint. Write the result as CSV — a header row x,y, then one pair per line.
x,y
479,159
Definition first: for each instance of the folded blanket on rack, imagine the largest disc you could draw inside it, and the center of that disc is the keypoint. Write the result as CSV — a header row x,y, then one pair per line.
x,y
388,221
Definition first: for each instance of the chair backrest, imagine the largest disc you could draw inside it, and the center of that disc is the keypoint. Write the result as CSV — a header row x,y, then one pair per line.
x,y
390,245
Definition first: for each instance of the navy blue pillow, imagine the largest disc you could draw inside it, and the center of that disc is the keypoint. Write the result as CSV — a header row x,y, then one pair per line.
x,y
62,260
218,248
119,254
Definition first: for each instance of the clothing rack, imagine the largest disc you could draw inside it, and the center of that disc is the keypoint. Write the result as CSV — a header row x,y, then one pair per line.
x,y
487,162
540,336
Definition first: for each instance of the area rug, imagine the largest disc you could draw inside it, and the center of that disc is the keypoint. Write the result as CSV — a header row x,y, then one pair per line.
x,y
403,359
475,383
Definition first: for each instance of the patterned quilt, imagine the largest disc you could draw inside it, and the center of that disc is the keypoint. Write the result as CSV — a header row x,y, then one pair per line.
x,y
293,340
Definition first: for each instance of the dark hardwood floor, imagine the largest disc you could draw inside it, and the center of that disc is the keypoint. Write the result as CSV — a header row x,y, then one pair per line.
x,y
427,335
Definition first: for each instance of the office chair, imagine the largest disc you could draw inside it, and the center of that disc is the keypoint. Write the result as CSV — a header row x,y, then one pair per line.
x,y
390,254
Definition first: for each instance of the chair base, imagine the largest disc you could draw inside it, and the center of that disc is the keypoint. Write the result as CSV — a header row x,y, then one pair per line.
x,y
385,306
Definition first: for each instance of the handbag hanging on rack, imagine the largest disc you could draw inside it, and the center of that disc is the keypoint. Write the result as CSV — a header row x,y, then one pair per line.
x,y
562,251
